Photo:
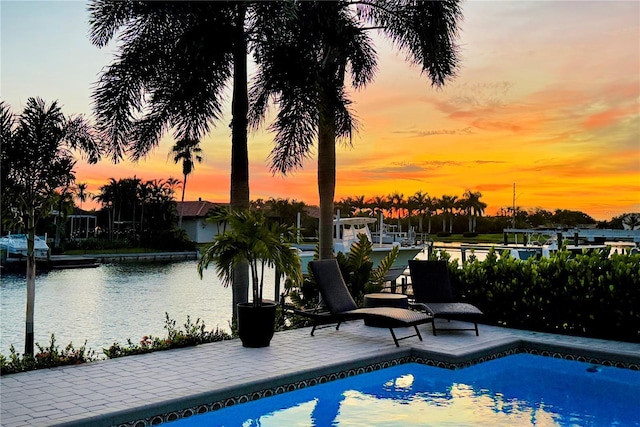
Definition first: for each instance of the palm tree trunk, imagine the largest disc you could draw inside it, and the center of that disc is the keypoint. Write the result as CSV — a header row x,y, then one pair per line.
x,y
31,283
239,198
326,175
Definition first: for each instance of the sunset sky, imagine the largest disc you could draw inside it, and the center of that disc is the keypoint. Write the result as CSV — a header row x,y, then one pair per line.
x,y
547,97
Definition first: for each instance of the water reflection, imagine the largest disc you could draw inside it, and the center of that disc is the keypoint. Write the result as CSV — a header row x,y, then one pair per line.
x,y
112,303
520,390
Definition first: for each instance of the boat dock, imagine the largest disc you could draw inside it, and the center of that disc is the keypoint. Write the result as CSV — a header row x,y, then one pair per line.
x,y
591,235
58,262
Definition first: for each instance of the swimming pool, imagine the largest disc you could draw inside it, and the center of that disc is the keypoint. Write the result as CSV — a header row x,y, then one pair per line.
x,y
520,390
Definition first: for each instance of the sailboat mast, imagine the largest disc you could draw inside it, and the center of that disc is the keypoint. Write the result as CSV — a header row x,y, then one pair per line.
x,y
513,220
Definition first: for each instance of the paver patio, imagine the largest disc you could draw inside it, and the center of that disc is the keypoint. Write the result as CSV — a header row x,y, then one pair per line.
x,y
131,388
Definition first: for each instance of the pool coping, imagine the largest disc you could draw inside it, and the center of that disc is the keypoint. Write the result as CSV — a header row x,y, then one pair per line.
x,y
172,410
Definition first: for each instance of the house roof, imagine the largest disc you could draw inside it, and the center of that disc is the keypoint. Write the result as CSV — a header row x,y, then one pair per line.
x,y
197,209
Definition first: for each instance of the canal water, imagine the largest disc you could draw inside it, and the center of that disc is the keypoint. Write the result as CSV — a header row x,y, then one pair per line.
x,y
113,302
120,301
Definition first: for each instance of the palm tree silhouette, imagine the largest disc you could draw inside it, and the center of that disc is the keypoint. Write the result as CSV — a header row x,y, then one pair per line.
x,y
325,43
37,160
180,58
188,152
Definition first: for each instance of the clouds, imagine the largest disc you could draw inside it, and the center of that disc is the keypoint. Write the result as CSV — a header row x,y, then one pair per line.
x,y
421,133
547,96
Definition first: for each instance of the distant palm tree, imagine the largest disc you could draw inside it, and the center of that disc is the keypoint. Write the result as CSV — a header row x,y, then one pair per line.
x,y
420,201
377,205
473,207
81,193
171,184
107,197
188,152
396,201
360,204
431,209
447,205
346,206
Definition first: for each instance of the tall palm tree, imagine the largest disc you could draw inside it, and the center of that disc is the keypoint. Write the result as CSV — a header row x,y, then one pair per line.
x,y
188,152
326,43
179,57
37,161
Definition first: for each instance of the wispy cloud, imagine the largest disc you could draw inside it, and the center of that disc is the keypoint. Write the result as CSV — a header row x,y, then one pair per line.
x,y
422,133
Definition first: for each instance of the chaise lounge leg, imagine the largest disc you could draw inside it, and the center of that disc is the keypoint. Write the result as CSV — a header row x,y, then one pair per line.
x,y
476,328
417,332
314,328
433,327
395,340
338,325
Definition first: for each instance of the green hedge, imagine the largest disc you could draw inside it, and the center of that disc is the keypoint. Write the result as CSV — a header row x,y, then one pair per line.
x,y
591,294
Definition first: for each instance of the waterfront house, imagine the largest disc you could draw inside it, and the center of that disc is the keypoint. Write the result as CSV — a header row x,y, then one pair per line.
x,y
194,215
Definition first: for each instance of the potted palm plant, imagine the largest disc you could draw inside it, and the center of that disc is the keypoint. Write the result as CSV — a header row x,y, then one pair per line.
x,y
250,240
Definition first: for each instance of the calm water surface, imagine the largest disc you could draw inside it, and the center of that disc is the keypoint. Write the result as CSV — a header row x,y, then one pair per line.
x,y
113,302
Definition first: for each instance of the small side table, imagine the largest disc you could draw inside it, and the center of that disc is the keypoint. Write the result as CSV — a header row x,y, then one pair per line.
x,y
384,299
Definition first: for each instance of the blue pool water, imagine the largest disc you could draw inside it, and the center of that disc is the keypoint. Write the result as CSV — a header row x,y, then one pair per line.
x,y
519,390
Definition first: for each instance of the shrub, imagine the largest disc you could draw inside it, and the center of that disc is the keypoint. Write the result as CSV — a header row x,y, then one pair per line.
x,y
590,294
193,334
46,357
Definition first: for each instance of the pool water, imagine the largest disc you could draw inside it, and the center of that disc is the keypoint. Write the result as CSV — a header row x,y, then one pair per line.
x,y
519,390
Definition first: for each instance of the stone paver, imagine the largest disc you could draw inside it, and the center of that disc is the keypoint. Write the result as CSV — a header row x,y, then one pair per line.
x,y
135,387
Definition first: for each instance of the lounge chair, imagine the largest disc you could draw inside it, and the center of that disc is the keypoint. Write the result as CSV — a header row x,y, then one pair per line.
x,y
341,307
432,290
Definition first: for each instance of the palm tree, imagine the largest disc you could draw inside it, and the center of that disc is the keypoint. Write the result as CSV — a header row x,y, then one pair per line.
x,y
106,197
81,193
63,200
325,43
179,57
346,206
420,201
378,204
188,152
447,205
359,204
37,161
396,202
251,239
473,207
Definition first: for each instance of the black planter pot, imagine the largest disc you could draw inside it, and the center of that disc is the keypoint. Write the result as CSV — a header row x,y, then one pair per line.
x,y
256,324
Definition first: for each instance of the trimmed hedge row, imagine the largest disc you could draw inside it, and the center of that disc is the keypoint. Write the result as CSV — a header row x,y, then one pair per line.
x,y
591,294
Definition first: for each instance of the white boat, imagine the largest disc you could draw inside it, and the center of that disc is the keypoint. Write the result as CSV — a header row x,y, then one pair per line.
x,y
346,231
542,242
15,246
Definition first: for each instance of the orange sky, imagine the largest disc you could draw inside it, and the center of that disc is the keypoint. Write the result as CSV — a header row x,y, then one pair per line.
x,y
547,97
